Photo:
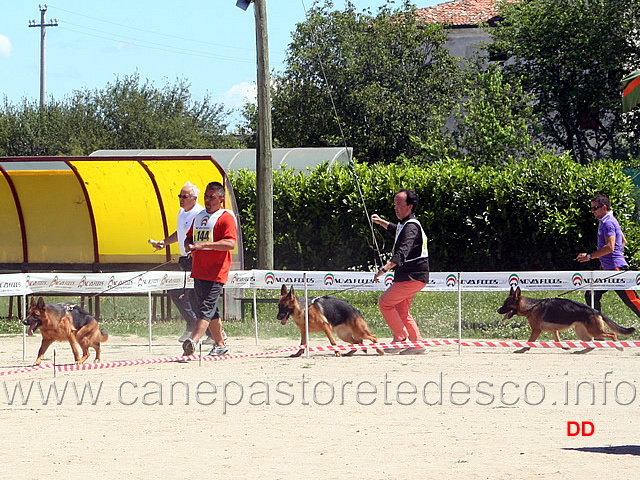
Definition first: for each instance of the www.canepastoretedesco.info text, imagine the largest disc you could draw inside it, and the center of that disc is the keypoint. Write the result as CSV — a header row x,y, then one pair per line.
x,y
605,390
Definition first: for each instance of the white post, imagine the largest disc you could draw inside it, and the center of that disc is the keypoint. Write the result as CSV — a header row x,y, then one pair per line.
x,y
150,320
24,328
255,312
459,314
306,311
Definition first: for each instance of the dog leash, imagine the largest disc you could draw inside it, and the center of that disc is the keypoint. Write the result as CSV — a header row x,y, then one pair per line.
x,y
585,286
132,278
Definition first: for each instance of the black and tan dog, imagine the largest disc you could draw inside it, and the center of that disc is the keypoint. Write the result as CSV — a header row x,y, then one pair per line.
x,y
555,314
65,321
325,313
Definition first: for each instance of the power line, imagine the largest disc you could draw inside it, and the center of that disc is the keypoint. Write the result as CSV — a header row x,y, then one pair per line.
x,y
153,32
147,44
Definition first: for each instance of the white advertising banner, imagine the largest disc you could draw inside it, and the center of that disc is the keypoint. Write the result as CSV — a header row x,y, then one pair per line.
x,y
138,282
441,281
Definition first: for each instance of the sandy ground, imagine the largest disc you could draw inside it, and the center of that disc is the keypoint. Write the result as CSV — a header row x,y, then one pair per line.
x,y
484,414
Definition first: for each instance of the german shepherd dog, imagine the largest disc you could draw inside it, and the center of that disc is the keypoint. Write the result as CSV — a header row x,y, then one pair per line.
x,y
325,313
65,321
555,314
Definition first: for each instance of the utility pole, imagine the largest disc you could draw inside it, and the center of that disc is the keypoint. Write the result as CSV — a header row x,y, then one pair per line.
x,y
43,32
264,154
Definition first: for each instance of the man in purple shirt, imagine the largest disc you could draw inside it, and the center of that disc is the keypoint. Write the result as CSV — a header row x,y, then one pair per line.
x,y
611,242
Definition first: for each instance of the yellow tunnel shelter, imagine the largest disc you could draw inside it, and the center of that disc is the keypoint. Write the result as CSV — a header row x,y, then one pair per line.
x,y
97,213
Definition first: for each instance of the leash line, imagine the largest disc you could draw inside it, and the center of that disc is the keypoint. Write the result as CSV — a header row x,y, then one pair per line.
x,y
344,140
581,287
133,278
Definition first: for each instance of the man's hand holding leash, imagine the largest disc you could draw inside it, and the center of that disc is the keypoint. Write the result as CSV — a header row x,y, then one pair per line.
x,y
157,244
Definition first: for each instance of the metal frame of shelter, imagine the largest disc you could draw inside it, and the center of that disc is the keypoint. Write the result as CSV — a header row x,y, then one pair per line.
x,y
235,159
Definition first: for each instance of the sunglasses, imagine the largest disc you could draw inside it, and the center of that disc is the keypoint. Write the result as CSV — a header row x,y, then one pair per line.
x,y
184,196
593,209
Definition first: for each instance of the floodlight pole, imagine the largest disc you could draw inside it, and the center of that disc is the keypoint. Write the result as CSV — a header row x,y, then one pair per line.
x,y
264,154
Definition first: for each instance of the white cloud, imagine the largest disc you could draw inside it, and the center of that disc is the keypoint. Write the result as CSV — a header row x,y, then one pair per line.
x,y
237,96
5,47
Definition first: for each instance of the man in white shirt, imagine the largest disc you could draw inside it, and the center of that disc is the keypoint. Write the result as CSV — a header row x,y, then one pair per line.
x,y
184,298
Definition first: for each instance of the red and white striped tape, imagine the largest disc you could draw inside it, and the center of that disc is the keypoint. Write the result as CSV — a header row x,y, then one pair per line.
x,y
327,348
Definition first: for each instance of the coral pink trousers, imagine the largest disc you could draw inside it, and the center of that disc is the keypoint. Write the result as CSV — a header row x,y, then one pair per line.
x,y
395,304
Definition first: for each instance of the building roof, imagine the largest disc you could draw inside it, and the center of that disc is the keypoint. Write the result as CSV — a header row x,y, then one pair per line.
x,y
461,12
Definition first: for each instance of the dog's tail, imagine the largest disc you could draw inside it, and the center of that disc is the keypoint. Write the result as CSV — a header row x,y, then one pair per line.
x,y
105,335
614,326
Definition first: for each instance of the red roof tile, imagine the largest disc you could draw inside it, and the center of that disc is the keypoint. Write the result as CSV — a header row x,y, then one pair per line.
x,y
460,12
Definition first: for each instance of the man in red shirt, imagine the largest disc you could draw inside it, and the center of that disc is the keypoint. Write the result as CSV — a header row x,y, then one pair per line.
x,y
209,241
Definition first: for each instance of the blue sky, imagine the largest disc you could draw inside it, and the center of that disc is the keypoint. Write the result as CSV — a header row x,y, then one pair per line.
x,y
210,44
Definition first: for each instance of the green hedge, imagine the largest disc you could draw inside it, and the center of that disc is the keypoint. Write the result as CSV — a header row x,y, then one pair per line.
x,y
525,216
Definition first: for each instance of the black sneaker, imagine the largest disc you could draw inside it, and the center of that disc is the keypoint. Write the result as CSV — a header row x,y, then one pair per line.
x,y
394,350
188,347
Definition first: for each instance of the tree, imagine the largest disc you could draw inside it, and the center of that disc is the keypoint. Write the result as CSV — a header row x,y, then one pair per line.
x,y
126,114
492,123
388,77
571,55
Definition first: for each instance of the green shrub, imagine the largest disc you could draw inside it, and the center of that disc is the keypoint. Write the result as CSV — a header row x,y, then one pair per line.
x,y
532,215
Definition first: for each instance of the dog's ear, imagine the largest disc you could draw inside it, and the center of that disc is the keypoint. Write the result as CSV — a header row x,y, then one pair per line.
x,y
291,291
511,292
33,302
41,304
518,292
283,289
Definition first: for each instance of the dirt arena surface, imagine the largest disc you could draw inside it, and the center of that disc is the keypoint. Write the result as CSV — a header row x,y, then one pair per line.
x,y
486,414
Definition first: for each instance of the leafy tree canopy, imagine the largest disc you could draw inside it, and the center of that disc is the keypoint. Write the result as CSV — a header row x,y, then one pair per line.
x,y
126,114
381,80
571,55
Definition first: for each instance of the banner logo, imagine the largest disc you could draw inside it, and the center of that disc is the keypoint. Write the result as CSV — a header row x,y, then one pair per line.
x,y
329,279
269,278
451,280
514,280
388,280
577,280
83,282
112,282
54,282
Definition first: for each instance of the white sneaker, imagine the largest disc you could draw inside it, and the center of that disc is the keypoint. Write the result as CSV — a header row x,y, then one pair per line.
x,y
413,351
185,335
219,351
